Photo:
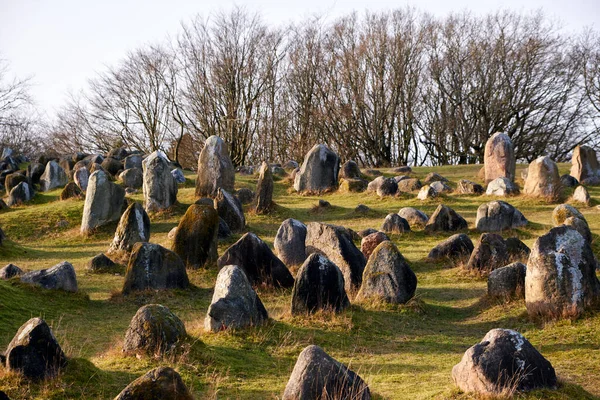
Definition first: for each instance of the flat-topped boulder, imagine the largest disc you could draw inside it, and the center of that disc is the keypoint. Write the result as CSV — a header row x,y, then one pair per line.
x,y
497,216
499,158
319,171
103,203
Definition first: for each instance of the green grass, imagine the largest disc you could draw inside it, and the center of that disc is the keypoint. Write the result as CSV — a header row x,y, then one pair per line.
x,y
401,351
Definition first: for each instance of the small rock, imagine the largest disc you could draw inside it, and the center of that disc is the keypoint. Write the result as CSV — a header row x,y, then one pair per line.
x,y
394,223
9,271
61,276
467,187
433,177
502,187
101,263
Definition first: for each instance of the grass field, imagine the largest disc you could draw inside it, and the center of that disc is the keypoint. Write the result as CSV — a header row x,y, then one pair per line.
x,y
403,352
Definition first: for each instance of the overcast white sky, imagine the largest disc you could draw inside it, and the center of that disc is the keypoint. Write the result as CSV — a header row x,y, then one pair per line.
x,y
62,43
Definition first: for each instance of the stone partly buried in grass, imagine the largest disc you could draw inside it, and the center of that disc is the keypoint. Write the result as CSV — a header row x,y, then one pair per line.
x,y
134,227
151,266
103,202
317,375
502,363
162,383
387,276
561,280
257,260
154,329
196,240
455,247
445,219
34,351
230,209
290,242
319,286
61,276
497,216
234,303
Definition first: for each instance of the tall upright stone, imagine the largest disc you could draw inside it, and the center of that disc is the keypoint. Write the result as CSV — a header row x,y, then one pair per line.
x,y
585,168
54,176
134,226
103,202
319,171
160,189
263,200
543,179
499,158
196,236
215,169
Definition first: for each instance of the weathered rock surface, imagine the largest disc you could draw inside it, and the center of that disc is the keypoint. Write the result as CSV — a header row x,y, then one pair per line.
x,y
434,177
440,187
132,178
10,271
160,189
258,262
427,192
497,216
54,176
81,178
153,267
499,158
263,200
409,185
134,226
154,329
34,351
543,179
177,175
561,280
244,195
586,168
490,253
290,241
393,223
455,247
387,276
388,187
568,181
61,276
132,161
507,282
370,242
415,218
112,165
162,383
350,170
319,171
103,202
234,303
465,186
319,286
502,187
20,194
580,226
564,211
71,191
348,185
230,209
101,263
317,375
581,195
196,238
445,219
503,361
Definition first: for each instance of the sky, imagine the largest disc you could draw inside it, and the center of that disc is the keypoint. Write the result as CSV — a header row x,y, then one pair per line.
x,y
60,44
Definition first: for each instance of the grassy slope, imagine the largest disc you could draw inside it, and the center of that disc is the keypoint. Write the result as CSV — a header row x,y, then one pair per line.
x,y
402,351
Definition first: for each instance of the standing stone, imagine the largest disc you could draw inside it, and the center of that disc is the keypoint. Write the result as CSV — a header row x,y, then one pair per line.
x,y
502,187
335,243
370,242
415,218
561,279
455,247
499,158
81,177
350,170
61,276
133,161
20,194
581,195
134,226
151,266
196,236
230,209
507,282
234,303
257,260
162,383
160,189
54,176
263,201
290,243
388,276
504,361
497,216
154,329
132,178
319,286
543,179
394,223
34,351
490,253
319,171
445,219
103,202
317,375
586,168
467,187
215,169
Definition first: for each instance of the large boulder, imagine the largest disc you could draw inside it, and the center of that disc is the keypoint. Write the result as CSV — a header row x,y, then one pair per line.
x,y
134,226
154,329
563,211
229,208
335,243
586,168
415,218
81,177
290,242
543,179
257,260
387,276
388,187
153,267
504,361
507,282
319,286
455,247
196,238
112,165
370,242
561,279
497,216
160,189
234,303
319,171
61,276
215,169
350,170
54,176
490,253
263,200
103,202
499,158
502,187
393,223
162,383
20,194
132,178
34,351
317,375
445,219
12,180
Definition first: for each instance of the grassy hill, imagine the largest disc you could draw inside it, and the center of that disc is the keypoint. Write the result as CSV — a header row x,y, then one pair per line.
x,y
403,352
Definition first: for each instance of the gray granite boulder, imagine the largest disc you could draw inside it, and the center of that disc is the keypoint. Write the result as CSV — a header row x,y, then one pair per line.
x,y
319,171
445,219
134,227
154,329
160,189
61,276
497,216
507,282
54,177
290,243
103,203
215,169
415,218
